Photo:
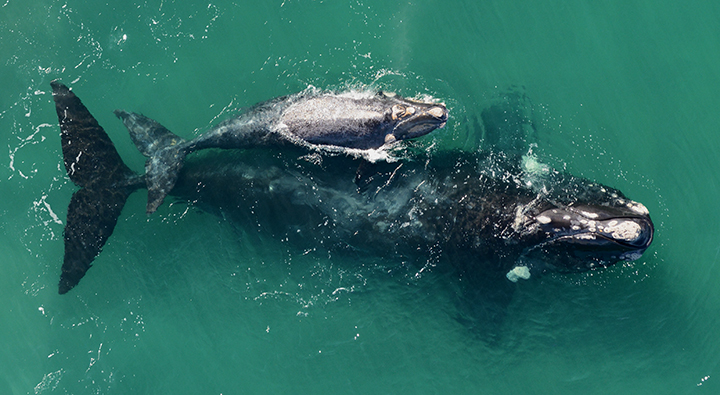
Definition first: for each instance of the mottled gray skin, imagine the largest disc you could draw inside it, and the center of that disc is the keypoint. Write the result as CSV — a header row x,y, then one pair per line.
x,y
361,120
329,121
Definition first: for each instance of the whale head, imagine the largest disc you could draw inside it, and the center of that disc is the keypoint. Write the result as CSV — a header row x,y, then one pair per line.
x,y
585,234
412,118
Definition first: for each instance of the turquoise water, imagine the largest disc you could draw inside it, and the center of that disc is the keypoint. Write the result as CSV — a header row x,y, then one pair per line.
x,y
182,302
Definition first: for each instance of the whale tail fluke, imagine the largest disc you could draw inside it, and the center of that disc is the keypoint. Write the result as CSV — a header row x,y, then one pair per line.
x,y
93,163
165,152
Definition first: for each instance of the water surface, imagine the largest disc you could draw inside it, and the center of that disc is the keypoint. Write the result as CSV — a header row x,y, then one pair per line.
x,y
185,302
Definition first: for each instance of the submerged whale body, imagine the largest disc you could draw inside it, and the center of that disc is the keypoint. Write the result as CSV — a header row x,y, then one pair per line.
x,y
494,216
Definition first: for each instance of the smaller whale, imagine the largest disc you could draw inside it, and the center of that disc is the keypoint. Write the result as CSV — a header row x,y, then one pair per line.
x,y
321,120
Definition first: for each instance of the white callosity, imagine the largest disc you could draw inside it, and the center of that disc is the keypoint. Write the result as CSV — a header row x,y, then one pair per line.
x,y
625,230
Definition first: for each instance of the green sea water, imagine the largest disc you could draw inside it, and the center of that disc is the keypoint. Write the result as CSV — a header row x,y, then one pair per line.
x,y
183,302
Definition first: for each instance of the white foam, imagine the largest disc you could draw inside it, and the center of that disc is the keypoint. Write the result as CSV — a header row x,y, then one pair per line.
x,y
532,166
519,218
631,256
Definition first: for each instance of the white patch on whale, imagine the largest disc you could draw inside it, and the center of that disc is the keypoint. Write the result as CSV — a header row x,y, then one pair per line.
x,y
517,273
543,219
589,214
626,230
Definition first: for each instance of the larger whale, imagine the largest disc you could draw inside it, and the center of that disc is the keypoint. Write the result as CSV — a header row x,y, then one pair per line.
x,y
489,213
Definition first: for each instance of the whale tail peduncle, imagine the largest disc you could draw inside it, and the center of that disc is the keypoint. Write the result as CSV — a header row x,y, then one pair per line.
x,y
165,152
105,182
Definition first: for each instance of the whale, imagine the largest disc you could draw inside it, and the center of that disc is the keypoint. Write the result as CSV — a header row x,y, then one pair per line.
x,y
495,216
352,121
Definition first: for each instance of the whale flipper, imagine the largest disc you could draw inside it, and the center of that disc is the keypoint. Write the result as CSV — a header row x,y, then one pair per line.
x,y
92,163
509,123
165,152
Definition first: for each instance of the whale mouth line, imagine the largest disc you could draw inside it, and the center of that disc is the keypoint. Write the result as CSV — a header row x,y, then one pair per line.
x,y
594,239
